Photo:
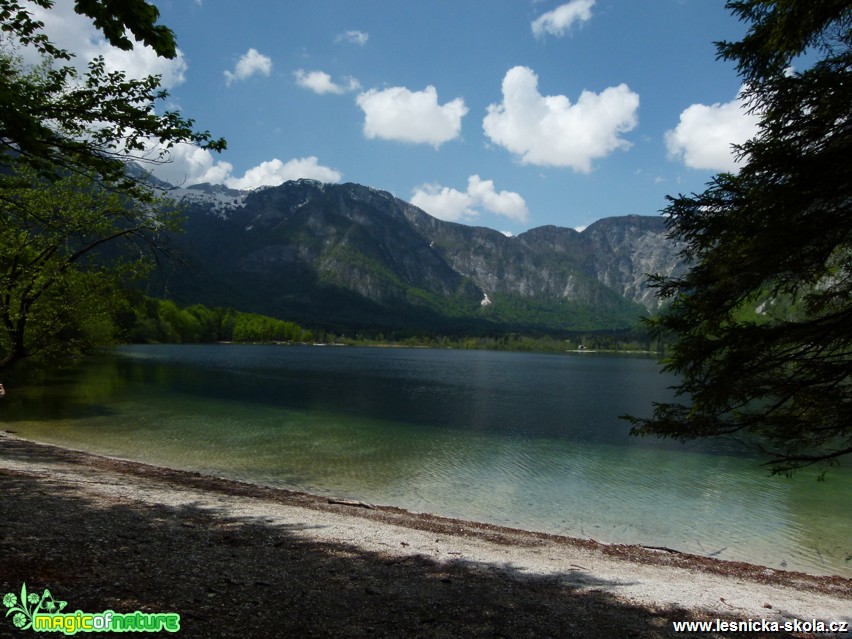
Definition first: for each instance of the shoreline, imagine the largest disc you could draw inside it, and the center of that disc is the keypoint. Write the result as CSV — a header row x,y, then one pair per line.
x,y
631,580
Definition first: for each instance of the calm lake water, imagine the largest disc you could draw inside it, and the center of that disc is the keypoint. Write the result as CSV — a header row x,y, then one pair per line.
x,y
523,440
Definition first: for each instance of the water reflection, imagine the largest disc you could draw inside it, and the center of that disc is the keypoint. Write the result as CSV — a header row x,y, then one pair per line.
x,y
523,440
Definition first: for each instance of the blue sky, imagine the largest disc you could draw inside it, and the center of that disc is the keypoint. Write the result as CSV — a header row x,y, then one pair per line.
x,y
509,114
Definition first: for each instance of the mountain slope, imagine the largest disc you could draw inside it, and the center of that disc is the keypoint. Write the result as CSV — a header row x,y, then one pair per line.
x,y
346,255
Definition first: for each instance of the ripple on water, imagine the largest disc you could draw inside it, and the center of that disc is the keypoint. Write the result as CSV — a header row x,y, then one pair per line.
x,y
525,441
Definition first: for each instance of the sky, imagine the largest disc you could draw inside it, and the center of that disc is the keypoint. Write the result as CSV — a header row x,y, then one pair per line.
x,y
509,114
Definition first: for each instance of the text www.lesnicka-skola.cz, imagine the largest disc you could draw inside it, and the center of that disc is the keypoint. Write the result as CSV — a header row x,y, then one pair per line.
x,y
762,625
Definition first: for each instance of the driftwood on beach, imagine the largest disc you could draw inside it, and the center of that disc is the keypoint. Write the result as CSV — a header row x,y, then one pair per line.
x,y
351,502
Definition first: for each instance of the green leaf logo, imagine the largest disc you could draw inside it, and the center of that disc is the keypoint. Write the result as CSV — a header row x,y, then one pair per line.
x,y
30,605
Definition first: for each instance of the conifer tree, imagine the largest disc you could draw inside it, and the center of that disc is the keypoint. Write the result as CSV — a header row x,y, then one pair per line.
x,y
763,318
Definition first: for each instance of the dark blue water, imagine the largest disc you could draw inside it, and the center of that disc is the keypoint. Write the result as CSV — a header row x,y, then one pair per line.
x,y
525,440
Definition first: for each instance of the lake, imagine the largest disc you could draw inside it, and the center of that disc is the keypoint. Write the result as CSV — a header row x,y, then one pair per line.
x,y
523,440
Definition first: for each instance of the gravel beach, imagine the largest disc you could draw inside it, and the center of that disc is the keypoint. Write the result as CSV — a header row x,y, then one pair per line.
x,y
240,560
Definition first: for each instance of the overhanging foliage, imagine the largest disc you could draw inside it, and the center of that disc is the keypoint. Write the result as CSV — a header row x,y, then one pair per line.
x,y
777,235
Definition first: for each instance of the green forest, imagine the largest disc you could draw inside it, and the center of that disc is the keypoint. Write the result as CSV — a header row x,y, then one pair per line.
x,y
146,320
163,321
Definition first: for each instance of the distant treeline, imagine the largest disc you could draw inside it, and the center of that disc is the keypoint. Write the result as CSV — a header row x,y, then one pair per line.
x,y
635,340
149,320
162,321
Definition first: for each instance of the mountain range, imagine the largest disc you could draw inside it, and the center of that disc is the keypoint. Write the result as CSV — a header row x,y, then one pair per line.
x,y
347,256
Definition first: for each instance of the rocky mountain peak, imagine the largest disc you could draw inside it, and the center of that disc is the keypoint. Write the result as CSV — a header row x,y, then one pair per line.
x,y
352,254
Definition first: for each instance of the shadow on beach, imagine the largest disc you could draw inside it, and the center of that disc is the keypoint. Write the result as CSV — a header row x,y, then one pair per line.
x,y
236,577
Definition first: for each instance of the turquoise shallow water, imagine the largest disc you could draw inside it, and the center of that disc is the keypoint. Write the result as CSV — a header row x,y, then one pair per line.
x,y
532,441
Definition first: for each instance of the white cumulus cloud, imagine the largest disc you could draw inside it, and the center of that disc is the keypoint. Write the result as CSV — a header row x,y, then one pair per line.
x,y
252,62
456,206
353,37
444,203
411,116
551,131
75,33
704,135
506,203
276,172
558,21
190,165
321,82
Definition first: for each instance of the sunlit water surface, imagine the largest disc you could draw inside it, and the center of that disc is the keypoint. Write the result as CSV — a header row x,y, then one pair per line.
x,y
523,440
